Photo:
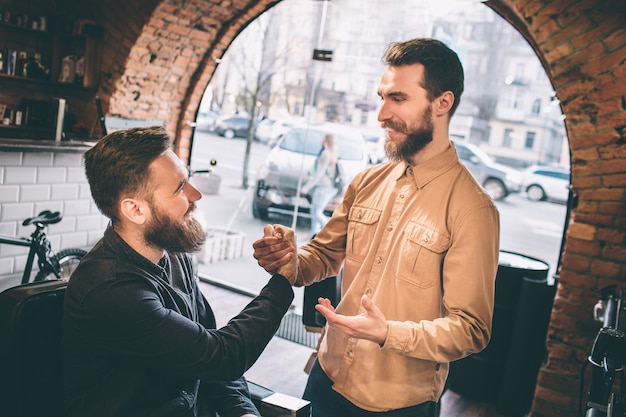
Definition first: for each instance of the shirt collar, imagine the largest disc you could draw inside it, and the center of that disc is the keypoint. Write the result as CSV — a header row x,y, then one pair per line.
x,y
429,170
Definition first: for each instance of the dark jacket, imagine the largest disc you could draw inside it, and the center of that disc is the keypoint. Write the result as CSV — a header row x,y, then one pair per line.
x,y
139,339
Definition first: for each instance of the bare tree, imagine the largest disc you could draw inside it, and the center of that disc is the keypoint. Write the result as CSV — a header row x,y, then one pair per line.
x,y
253,77
219,89
257,60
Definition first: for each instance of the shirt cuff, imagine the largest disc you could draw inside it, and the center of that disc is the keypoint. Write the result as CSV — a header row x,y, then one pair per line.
x,y
398,334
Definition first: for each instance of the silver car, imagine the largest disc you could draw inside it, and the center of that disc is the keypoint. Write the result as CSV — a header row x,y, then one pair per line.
x,y
286,167
498,180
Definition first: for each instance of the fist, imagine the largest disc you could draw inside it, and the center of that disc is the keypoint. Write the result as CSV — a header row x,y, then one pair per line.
x,y
290,269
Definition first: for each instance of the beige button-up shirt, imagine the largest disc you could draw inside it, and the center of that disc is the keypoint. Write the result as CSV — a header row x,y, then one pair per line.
x,y
423,243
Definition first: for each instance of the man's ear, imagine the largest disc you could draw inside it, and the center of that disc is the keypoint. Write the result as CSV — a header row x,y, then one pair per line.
x,y
134,210
443,103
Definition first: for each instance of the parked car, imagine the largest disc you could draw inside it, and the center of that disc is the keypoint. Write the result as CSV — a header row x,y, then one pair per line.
x,y
232,126
546,183
205,121
268,131
498,180
286,167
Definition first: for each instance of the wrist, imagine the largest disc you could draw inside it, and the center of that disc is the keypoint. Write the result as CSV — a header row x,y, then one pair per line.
x,y
382,337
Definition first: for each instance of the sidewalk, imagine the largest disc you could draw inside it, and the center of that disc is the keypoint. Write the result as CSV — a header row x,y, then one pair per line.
x,y
229,210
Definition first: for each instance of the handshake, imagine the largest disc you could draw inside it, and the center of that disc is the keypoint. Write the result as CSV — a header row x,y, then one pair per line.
x,y
276,251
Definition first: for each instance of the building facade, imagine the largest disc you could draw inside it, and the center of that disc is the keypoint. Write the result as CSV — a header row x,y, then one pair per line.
x,y
508,107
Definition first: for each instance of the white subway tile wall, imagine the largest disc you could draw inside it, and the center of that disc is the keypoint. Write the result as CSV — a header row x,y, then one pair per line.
x,y
34,181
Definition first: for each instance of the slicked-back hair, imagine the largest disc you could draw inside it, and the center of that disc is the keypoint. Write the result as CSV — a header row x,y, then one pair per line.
x,y
117,166
442,68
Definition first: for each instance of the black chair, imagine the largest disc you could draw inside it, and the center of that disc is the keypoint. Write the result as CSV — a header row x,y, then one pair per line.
x,y
31,371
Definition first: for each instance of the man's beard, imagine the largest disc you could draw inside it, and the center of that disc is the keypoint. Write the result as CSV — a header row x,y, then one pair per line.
x,y
163,233
414,142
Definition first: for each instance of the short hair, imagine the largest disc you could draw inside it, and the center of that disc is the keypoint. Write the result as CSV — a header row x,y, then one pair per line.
x,y
117,166
443,70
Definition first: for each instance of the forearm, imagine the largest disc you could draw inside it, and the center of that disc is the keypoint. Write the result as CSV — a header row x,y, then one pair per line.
x,y
180,345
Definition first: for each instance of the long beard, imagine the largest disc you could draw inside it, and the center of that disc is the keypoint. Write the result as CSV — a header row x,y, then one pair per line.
x,y
414,142
163,233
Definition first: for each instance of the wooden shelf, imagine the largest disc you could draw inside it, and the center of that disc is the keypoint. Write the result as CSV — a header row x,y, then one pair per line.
x,y
23,28
46,82
76,41
53,45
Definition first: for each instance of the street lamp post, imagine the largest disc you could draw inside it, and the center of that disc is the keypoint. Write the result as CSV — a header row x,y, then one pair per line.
x,y
318,55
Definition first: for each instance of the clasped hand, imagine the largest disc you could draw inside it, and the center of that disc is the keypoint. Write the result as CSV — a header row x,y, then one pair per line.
x,y
276,251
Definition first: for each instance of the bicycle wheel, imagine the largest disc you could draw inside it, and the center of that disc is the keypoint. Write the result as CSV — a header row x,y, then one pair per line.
x,y
66,260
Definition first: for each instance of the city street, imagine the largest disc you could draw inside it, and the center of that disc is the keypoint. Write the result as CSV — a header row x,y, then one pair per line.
x,y
533,229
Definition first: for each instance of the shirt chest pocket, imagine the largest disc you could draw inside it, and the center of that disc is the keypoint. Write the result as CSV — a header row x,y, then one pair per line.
x,y
421,255
362,222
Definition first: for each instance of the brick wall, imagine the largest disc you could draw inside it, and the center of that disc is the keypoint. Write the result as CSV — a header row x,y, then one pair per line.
x,y
583,47
34,181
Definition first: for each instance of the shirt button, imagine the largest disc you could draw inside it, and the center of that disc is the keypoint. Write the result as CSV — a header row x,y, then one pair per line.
x,y
359,216
426,238
349,353
401,195
390,228
379,260
368,292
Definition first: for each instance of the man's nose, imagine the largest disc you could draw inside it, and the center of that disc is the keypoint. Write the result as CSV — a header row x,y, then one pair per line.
x,y
383,113
193,194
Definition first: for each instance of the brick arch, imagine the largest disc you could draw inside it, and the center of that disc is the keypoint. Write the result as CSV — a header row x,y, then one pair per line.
x,y
159,62
167,65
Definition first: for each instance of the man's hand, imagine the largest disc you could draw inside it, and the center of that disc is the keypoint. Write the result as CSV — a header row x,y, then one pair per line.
x,y
276,251
290,269
369,325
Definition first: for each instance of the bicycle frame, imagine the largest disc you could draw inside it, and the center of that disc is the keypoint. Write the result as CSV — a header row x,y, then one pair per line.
x,y
38,246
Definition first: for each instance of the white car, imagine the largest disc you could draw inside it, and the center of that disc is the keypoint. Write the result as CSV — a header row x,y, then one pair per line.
x,y
543,183
270,130
287,165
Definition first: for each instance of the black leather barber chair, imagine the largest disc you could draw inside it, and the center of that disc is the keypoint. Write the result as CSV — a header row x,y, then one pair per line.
x,y
31,372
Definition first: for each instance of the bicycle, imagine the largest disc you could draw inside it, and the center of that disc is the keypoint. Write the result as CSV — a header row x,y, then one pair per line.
x,y
607,357
52,265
